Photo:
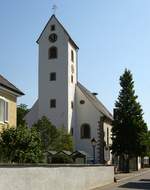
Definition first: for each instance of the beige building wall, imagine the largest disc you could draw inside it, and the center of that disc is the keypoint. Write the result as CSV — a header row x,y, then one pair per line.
x,y
12,109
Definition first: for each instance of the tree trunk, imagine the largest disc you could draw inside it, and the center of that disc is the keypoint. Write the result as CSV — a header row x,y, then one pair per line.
x,y
126,164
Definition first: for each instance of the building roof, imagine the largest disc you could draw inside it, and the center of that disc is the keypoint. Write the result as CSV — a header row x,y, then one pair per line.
x,y
95,101
70,39
6,84
52,152
80,152
68,153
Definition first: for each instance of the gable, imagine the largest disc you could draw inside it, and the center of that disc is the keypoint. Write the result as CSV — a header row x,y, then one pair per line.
x,y
54,19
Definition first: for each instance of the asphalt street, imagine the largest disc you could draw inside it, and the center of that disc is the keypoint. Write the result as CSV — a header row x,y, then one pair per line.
x,y
141,182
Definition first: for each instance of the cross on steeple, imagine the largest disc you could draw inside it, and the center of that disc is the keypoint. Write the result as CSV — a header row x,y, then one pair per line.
x,y
54,8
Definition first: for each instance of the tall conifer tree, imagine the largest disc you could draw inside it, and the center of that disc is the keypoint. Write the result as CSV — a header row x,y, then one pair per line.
x,y
129,128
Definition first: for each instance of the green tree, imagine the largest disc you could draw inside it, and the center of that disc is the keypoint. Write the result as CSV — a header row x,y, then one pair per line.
x,y
51,137
48,133
63,141
129,128
22,110
20,145
146,142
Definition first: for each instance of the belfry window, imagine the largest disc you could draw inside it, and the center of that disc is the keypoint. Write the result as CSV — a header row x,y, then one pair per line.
x,y
72,56
52,27
72,78
85,131
52,53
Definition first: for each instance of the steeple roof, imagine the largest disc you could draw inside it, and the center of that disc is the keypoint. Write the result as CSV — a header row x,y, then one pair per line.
x,y
70,39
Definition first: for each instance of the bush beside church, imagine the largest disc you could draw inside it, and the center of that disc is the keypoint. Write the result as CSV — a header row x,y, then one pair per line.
x,y
28,145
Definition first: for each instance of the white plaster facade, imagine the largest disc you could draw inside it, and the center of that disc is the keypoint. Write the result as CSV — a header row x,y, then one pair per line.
x,y
69,112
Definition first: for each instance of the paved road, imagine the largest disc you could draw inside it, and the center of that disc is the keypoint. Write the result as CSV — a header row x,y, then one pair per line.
x,y
141,182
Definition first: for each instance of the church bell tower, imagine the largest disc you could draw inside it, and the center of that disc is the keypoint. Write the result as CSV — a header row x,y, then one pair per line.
x,y
57,75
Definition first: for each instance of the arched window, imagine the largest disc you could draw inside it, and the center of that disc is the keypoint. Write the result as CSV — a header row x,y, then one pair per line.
x,y
52,53
85,131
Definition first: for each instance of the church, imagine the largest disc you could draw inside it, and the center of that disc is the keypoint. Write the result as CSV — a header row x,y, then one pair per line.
x,y
64,100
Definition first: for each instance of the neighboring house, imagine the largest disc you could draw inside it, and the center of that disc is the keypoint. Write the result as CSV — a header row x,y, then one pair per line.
x,y
65,101
8,100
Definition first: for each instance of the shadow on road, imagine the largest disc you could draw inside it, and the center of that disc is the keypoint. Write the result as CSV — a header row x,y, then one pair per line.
x,y
145,180
145,184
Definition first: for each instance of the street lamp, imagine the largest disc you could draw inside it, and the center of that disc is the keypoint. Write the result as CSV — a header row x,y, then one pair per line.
x,y
93,142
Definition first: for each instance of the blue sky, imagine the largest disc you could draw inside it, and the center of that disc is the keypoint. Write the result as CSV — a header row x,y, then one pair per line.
x,y
112,35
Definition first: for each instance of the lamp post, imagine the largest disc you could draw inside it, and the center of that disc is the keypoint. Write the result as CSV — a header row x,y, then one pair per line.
x,y
93,142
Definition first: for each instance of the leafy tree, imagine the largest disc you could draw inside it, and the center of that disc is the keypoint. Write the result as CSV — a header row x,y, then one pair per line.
x,y
7,145
146,143
22,110
20,145
48,133
129,128
51,137
63,141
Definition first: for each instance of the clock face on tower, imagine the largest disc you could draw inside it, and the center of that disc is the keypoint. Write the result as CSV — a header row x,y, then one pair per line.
x,y
53,37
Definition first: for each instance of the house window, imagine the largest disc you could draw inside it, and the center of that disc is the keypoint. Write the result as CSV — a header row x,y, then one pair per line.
x,y
72,104
72,78
53,103
52,27
3,110
72,56
52,53
85,131
52,76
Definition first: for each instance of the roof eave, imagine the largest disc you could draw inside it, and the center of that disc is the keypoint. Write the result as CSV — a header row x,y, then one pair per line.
x,y
17,93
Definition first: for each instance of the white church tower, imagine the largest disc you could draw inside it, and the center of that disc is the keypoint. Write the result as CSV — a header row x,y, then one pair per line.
x,y
57,74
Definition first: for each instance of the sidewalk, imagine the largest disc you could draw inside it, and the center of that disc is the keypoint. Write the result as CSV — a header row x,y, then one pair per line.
x,y
123,176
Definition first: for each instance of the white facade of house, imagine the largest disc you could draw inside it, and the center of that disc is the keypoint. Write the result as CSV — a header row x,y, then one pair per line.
x,y
65,90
